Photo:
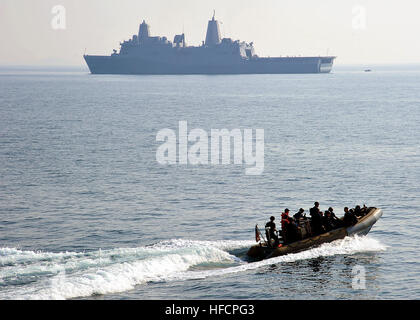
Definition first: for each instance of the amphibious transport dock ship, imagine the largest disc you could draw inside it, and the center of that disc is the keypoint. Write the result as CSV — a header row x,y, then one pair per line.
x,y
144,54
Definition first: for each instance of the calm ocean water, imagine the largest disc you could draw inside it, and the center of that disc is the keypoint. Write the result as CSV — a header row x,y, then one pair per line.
x,y
86,211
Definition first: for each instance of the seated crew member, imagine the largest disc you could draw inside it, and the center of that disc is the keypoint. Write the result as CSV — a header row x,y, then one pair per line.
x,y
358,211
270,231
316,221
299,214
349,217
364,209
326,221
354,215
335,221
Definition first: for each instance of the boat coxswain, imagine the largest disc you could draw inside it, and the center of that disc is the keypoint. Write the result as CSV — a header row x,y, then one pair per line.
x,y
270,231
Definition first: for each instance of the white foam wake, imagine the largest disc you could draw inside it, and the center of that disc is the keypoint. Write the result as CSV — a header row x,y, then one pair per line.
x,y
347,246
69,274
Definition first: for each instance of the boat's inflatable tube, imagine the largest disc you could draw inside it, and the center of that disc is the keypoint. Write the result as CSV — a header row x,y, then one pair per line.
x,y
365,224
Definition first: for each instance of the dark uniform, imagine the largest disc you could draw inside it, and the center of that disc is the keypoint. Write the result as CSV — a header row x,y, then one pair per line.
x,y
271,232
299,214
336,222
358,212
328,221
349,217
316,221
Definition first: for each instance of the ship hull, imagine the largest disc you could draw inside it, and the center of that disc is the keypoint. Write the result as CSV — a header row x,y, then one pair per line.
x,y
138,65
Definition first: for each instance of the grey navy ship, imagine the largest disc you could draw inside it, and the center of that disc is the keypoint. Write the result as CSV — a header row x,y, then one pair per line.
x,y
146,54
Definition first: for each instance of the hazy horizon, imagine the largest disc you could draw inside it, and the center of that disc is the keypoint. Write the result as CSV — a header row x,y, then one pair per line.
x,y
358,32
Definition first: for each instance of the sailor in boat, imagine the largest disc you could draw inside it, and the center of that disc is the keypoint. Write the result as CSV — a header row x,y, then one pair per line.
x,y
316,219
349,217
331,221
359,212
289,227
327,221
299,215
271,232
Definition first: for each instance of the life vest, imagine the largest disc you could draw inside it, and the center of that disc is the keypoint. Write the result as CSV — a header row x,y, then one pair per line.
x,y
285,220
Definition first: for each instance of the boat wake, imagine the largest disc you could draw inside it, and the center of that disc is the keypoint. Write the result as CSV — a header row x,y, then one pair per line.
x,y
47,275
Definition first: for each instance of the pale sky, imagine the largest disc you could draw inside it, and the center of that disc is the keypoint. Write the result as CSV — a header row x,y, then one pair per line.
x,y
358,32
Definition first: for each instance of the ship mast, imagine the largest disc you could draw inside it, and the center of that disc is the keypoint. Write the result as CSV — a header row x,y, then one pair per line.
x,y
213,32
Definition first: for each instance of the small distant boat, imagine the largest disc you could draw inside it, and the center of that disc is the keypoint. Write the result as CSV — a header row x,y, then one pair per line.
x,y
362,227
368,70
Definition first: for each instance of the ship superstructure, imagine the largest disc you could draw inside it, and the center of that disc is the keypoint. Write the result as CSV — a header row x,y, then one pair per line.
x,y
146,54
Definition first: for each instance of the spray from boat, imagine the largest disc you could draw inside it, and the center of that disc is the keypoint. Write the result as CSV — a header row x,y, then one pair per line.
x,y
65,275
